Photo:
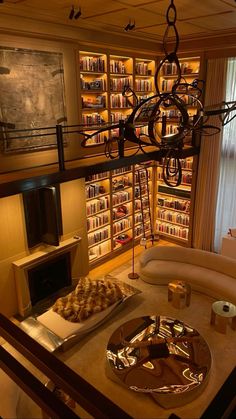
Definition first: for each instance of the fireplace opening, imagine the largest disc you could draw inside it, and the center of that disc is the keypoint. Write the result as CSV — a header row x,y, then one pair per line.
x,y
47,281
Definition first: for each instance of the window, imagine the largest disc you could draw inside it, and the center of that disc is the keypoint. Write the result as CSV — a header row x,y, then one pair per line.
x,y
226,201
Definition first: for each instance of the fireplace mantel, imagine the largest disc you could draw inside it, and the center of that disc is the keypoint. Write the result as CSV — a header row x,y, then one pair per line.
x,y
22,266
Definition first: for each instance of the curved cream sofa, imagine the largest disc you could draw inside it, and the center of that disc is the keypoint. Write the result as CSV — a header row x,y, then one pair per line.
x,y
207,272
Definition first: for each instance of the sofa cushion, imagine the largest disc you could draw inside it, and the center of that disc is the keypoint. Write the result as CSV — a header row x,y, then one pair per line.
x,y
211,282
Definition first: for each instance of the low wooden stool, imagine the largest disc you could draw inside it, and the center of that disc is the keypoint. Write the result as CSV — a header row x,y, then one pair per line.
x,y
179,293
223,313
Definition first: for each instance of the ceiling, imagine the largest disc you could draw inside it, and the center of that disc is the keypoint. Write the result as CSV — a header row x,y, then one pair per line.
x,y
195,19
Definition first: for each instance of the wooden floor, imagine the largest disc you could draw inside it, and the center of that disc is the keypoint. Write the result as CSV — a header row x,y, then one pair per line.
x,y
113,263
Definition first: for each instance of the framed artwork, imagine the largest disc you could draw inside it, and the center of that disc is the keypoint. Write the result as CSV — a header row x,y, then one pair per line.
x,y
32,96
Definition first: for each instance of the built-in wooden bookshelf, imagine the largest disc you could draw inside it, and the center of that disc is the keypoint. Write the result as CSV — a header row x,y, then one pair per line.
x,y
114,215
133,203
93,88
190,69
97,189
144,77
103,77
121,76
174,204
122,206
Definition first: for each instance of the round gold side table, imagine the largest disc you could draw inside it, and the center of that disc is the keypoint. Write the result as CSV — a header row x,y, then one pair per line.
x,y
223,313
179,293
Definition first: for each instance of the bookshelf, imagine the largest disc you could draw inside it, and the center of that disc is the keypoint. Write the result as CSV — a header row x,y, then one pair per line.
x,y
97,190
117,212
190,70
144,77
120,76
103,77
122,207
174,205
114,213
93,91
144,71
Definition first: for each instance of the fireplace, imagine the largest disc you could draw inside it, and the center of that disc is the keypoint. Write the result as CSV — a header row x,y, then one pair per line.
x,y
46,279
42,275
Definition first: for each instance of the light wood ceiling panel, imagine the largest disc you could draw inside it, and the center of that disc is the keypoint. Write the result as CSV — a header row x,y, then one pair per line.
x,y
121,18
137,3
226,21
188,9
206,17
14,1
184,28
90,7
98,7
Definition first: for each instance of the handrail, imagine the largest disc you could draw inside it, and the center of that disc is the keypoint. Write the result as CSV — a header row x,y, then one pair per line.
x,y
75,386
47,400
87,396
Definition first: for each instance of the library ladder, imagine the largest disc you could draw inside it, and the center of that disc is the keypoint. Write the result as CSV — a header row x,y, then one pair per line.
x,y
144,196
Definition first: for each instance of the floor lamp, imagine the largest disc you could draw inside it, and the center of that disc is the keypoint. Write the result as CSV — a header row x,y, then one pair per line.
x,y
133,275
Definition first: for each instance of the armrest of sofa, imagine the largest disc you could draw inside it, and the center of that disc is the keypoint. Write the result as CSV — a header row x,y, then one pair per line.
x,y
148,254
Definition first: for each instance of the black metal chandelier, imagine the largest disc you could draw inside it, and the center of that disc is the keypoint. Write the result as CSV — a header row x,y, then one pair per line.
x,y
148,112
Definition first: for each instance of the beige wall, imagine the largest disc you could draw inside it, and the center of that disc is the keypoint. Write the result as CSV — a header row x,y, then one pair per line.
x,y
74,218
13,241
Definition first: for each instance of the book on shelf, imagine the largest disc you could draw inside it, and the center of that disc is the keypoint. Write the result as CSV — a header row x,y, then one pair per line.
x,y
118,84
97,205
117,67
141,69
91,63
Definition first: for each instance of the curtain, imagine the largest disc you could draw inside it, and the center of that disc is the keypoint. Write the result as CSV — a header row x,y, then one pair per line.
x,y
209,160
226,201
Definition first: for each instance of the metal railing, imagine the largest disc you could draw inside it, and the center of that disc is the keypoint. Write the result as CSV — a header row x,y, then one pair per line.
x,y
83,393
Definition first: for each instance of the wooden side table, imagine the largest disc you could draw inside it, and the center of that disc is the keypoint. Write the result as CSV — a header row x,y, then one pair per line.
x,y
179,293
223,313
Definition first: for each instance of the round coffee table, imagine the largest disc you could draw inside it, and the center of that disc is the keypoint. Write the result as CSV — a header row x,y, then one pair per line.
x,y
222,313
160,356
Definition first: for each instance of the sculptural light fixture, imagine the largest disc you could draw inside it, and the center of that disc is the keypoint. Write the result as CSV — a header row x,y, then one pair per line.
x,y
148,112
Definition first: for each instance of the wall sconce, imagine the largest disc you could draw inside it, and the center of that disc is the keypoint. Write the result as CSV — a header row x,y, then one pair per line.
x,y
73,13
130,26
